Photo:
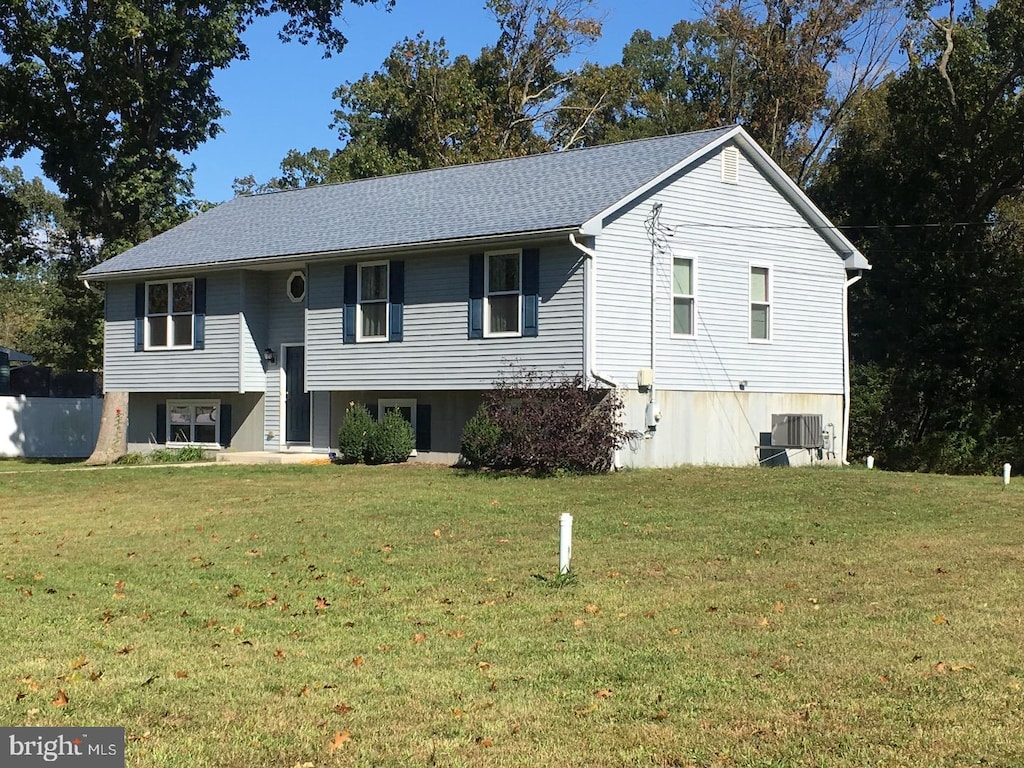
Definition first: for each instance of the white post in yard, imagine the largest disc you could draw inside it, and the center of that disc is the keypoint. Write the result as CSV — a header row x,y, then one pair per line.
x,y
1006,475
564,543
871,462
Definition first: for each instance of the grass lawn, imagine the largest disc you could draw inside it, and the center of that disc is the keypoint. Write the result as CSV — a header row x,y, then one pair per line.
x,y
409,616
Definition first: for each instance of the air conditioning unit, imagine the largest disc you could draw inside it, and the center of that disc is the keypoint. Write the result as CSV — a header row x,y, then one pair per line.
x,y
796,430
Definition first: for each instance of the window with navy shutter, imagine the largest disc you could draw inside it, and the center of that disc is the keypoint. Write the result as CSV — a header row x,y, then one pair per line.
x,y
504,293
170,314
373,302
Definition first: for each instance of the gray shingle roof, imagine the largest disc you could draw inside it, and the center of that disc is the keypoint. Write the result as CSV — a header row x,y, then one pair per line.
x,y
558,190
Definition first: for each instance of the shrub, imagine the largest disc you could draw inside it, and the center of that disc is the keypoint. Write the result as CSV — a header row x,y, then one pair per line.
x,y
390,440
355,429
546,426
480,438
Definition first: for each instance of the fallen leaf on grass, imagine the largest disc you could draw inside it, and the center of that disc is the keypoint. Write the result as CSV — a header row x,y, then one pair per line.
x,y
586,711
604,693
341,738
125,650
61,699
321,603
483,741
304,691
779,607
437,533
20,695
78,663
592,609
357,661
278,653
763,622
341,709
940,619
181,674
419,637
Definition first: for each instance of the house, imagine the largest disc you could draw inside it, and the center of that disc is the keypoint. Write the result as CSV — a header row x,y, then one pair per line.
x,y
688,272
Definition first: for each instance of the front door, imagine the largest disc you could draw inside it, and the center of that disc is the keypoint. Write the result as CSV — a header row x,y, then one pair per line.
x,y
296,400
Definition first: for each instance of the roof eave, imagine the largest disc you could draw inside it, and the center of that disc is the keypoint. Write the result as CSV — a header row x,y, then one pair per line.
x,y
266,262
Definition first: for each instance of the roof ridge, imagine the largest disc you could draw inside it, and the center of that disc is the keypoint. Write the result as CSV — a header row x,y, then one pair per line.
x,y
478,163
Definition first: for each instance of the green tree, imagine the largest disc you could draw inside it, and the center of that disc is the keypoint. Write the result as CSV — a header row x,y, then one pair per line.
x,y
789,70
929,177
424,109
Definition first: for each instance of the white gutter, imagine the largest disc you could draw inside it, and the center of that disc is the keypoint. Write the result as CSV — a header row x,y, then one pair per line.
x,y
590,313
845,445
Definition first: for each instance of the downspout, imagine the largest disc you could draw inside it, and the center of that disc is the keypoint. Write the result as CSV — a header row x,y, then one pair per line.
x,y
590,314
844,447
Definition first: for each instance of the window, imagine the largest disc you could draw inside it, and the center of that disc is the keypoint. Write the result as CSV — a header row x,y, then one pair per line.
x,y
296,288
373,302
170,306
683,314
503,281
760,303
373,295
193,422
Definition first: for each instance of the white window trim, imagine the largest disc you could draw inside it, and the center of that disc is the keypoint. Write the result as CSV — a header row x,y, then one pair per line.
x,y
359,301
193,404
288,286
691,296
390,403
488,333
751,266
147,346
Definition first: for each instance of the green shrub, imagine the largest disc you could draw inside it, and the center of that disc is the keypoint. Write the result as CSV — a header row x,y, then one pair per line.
x,y
391,440
130,459
480,438
355,429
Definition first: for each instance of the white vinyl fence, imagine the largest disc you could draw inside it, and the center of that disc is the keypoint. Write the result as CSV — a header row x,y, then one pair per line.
x,y
49,427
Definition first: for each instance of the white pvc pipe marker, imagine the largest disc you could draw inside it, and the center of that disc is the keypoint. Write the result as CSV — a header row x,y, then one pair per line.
x,y
1006,474
564,542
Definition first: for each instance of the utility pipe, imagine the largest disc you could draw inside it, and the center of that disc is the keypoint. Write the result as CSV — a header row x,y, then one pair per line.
x,y
564,543
590,313
846,370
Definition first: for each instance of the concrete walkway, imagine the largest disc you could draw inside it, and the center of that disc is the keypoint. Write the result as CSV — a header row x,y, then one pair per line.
x,y
266,457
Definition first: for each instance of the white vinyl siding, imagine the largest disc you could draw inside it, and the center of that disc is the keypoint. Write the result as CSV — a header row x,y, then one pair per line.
x,y
728,227
436,353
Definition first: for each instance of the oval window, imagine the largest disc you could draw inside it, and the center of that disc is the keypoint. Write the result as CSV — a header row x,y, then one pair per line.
x,y
297,286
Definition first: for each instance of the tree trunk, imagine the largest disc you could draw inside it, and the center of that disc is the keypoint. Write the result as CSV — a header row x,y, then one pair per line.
x,y
112,442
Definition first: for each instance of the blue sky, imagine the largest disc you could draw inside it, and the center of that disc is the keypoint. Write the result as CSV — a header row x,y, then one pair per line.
x,y
281,98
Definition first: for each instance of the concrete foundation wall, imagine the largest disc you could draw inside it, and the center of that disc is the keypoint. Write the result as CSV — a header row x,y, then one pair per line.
x,y
721,428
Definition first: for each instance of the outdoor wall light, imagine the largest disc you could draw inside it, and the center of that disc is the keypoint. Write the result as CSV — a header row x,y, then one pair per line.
x,y
268,355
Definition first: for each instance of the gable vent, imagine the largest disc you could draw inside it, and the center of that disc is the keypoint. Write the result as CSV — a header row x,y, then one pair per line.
x,y
731,165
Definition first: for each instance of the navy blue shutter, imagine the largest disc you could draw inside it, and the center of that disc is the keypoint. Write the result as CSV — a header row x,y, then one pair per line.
x,y
225,424
531,290
396,299
161,423
423,427
348,319
476,296
140,316
200,312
